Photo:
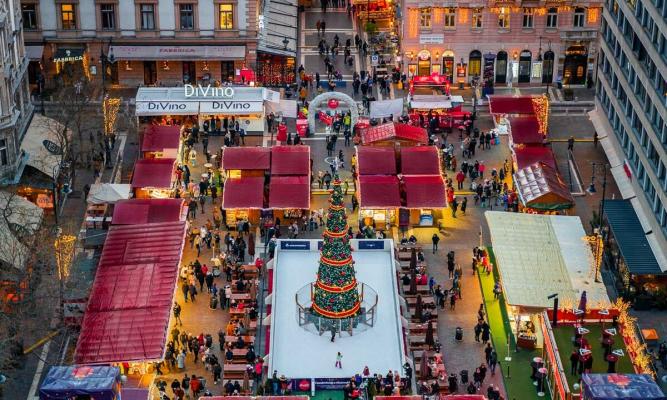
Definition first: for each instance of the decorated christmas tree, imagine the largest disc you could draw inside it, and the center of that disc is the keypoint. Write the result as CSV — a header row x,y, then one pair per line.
x,y
335,294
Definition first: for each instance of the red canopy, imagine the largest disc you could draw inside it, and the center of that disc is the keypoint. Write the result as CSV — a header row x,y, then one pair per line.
x,y
525,130
290,160
289,192
391,131
153,173
420,160
245,158
511,105
147,211
424,191
130,303
540,186
376,160
379,192
529,155
161,137
246,192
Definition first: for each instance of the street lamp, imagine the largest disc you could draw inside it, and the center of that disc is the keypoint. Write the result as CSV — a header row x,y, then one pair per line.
x,y
284,77
554,322
104,59
598,229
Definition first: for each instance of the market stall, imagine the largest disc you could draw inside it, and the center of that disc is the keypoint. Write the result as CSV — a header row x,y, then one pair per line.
x,y
242,200
161,141
108,193
620,387
240,162
379,199
524,130
290,160
149,211
541,189
420,160
81,381
391,134
376,161
290,166
425,198
446,108
153,178
525,156
504,108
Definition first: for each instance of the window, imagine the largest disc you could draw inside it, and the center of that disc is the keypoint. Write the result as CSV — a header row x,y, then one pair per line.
x,y
552,18
425,17
226,16
147,17
29,14
579,15
450,17
527,17
4,155
108,16
476,18
67,17
187,16
504,18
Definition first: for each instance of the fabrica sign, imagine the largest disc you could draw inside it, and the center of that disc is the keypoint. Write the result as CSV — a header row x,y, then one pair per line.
x,y
208,91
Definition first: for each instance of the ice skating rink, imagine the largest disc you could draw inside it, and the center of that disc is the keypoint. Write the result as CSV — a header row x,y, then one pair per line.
x,y
297,353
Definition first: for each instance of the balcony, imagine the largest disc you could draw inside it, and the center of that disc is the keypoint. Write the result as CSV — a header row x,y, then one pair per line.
x,y
583,34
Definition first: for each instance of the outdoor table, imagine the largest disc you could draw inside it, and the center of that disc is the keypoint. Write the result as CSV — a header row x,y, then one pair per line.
x,y
426,301
239,356
417,339
234,371
421,289
419,353
406,263
241,297
249,340
415,328
404,255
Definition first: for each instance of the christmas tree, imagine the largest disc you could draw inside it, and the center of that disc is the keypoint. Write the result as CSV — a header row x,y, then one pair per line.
x,y
335,294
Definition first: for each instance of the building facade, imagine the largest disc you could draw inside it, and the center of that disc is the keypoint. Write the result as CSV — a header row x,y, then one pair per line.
x,y
631,100
15,106
131,43
520,42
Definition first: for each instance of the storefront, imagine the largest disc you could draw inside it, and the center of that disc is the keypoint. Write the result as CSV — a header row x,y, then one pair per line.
x,y
379,200
176,65
575,64
71,64
525,64
275,69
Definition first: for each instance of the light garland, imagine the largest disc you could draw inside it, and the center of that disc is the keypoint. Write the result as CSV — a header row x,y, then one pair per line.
x,y
463,15
541,108
110,108
437,15
593,15
64,246
413,23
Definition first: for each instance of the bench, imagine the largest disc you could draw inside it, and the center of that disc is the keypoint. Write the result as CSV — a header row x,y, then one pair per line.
x,y
241,297
421,289
427,301
249,340
233,371
239,356
418,328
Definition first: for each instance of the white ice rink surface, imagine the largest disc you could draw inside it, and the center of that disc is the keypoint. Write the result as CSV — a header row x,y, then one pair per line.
x,y
297,353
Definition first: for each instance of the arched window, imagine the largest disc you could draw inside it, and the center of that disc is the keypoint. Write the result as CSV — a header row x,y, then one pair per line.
x,y
475,63
548,67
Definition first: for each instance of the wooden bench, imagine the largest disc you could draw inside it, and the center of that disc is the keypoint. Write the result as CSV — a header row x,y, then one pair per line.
x,y
421,289
408,247
249,340
428,301
241,297
239,356
434,318
406,264
418,354
420,329
233,371
245,290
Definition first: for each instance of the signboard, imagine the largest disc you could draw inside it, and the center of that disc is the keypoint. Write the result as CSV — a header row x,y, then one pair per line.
x,y
432,38
167,108
320,383
176,53
295,245
461,70
44,201
233,107
208,91
375,60
371,244
52,148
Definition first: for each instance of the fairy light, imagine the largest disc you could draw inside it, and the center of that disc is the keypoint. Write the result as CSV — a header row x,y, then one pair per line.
x,y
64,246
541,108
110,108
413,23
541,11
593,15
463,15
437,15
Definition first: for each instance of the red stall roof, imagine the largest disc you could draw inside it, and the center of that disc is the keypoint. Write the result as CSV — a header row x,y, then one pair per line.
x,y
420,160
391,131
541,187
247,192
153,173
529,155
511,105
290,160
289,192
379,192
160,137
130,303
525,129
245,158
424,191
147,211
376,160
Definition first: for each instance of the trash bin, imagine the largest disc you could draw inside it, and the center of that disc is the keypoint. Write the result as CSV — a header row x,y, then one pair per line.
x,y
214,302
459,333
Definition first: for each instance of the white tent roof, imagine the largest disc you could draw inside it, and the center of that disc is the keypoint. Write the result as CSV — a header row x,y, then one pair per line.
x,y
539,255
21,214
42,128
108,193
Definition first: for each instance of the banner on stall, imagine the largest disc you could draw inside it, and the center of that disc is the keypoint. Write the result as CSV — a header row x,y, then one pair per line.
x,y
386,108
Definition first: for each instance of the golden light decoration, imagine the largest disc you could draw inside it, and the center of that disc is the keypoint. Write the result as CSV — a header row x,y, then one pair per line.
x,y
413,23
541,108
64,249
593,15
562,9
463,15
597,249
86,67
541,11
437,15
110,108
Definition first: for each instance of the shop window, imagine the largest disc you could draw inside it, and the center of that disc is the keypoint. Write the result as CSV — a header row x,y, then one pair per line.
x,y
227,68
147,17
150,72
67,16
108,16
552,18
528,16
425,17
226,12
450,17
186,16
474,63
504,18
4,155
477,18
29,15
579,16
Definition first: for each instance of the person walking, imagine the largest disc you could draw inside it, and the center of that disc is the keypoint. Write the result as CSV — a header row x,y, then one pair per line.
x,y
339,360
595,139
460,177
177,314
486,332
435,239
455,206
570,143
493,362
452,300
487,352
464,205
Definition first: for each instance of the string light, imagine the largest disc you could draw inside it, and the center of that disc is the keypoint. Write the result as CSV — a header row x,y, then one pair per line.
x,y
413,23
593,15
437,15
463,15
541,108
110,108
64,246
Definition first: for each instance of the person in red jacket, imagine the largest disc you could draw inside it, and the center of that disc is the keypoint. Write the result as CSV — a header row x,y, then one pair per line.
x,y
195,386
460,177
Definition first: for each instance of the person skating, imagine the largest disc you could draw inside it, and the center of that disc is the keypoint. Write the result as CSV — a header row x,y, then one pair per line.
x,y
339,360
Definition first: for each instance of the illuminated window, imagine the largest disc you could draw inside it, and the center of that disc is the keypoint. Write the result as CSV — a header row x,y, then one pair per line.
x,y
226,16
476,18
67,16
504,18
425,17
450,17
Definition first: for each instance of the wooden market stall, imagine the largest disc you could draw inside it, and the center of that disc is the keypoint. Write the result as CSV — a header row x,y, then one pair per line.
x,y
243,200
153,178
161,141
393,134
289,186
541,188
379,199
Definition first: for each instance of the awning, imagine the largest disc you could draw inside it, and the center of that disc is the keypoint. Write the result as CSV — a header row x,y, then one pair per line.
x,y
246,158
511,104
290,160
420,160
154,173
161,138
529,155
42,144
621,387
379,192
130,303
22,219
540,186
101,193
66,55
177,53
631,238
525,129
148,211
376,160
289,192
430,102
34,53
424,191
66,382
247,192
394,131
